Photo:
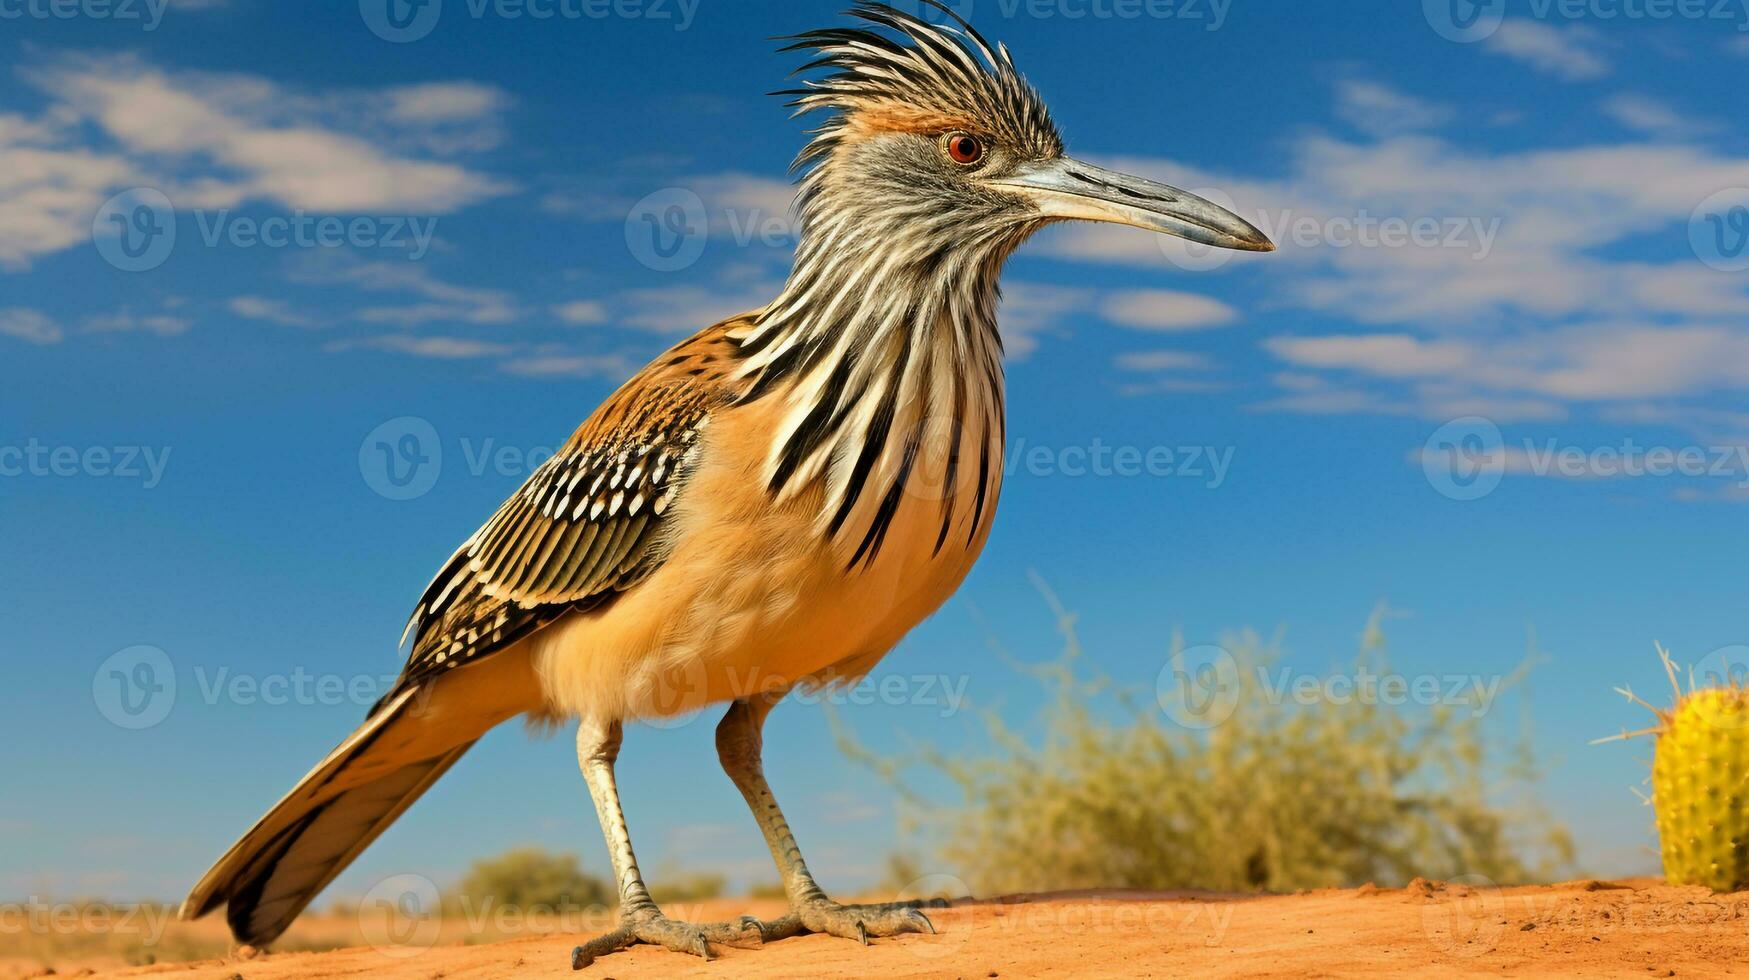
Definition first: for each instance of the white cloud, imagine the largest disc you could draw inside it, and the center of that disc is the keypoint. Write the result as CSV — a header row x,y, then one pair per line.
x,y
48,190
1383,110
1527,375
1031,310
214,141
685,309
568,366
444,102
1387,355
29,325
1163,360
1165,309
1655,118
441,301
440,348
582,312
270,310
126,321
1569,53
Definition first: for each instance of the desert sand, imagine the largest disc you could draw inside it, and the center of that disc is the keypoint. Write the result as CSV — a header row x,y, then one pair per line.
x,y
1634,928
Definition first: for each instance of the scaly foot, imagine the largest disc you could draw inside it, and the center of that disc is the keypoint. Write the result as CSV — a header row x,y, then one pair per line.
x,y
652,927
858,922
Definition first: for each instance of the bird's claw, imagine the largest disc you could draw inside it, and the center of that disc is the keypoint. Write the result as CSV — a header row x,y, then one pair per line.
x,y
656,929
858,922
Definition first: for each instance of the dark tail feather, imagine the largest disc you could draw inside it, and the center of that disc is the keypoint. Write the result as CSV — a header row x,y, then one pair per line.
x,y
332,815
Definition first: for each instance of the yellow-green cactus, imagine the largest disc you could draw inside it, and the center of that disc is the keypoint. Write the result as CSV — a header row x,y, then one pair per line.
x,y
1700,783
1700,789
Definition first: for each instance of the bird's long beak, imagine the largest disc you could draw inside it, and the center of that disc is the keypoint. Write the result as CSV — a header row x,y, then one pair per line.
x,y
1071,190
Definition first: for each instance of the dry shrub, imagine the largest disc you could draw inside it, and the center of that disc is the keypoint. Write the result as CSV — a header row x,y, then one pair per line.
x,y
1280,796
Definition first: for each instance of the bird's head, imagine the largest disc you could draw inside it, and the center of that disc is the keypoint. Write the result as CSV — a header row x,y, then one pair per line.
x,y
934,136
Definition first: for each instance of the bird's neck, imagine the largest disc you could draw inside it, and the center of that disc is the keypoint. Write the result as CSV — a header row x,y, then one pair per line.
x,y
885,357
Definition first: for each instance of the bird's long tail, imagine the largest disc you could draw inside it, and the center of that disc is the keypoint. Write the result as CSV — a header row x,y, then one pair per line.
x,y
333,814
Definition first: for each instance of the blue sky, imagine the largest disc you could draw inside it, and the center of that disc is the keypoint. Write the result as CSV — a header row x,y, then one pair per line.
x,y
1522,239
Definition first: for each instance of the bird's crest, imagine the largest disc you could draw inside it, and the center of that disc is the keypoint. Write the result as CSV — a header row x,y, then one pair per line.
x,y
909,75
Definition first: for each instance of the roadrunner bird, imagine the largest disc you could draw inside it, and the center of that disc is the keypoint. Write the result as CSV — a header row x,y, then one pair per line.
x,y
771,504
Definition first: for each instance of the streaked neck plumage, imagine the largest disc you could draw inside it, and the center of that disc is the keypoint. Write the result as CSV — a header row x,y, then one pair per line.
x,y
884,348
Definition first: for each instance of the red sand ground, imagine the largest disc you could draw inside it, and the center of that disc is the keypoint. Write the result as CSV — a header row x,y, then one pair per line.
x,y
1636,928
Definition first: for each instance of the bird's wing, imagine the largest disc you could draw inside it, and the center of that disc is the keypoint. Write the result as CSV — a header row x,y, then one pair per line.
x,y
587,525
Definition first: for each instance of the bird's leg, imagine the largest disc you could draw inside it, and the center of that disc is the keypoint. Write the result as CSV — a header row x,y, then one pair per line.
x,y
640,920
739,744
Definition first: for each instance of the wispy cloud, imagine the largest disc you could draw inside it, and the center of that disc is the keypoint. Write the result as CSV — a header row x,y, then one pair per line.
x,y
270,310
1383,110
1165,309
29,325
439,301
442,348
217,141
1648,115
1172,372
1570,53
569,366
581,312
126,321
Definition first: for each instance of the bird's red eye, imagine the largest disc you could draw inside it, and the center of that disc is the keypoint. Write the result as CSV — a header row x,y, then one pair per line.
x,y
965,148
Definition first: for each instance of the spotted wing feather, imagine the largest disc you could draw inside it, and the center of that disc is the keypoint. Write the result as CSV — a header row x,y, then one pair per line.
x,y
587,525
